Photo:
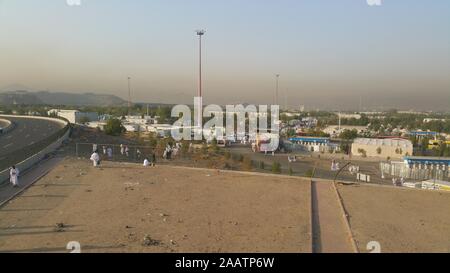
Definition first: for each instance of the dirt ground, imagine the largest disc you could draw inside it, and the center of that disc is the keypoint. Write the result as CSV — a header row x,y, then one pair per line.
x,y
113,208
401,220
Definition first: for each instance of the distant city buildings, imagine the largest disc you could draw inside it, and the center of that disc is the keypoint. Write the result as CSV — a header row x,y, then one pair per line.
x,y
74,116
428,120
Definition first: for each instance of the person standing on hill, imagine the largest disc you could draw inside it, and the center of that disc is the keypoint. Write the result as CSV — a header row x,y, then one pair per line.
x,y
14,176
95,158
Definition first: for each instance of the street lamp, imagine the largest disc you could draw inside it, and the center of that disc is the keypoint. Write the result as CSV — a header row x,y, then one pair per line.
x,y
200,33
276,91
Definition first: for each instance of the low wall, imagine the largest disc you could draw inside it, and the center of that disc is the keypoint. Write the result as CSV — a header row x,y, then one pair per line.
x,y
60,121
33,160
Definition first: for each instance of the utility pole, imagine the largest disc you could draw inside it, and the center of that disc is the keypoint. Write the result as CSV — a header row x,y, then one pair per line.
x,y
276,89
129,96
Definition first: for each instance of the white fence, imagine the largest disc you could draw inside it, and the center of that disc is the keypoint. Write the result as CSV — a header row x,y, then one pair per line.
x,y
400,169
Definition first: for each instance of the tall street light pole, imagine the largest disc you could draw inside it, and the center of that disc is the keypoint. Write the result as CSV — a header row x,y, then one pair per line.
x,y
129,96
200,33
276,91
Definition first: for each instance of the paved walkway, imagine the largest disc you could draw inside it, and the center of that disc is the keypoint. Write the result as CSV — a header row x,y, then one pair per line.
x,y
27,178
330,233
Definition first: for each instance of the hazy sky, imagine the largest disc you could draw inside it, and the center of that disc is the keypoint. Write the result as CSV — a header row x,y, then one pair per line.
x,y
329,52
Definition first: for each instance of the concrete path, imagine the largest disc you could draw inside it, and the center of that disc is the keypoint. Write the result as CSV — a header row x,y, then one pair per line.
x,y
27,179
330,232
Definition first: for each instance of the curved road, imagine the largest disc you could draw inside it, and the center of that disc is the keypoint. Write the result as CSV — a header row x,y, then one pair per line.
x,y
27,132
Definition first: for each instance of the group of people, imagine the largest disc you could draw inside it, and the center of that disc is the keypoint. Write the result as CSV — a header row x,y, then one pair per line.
x,y
170,151
398,182
124,150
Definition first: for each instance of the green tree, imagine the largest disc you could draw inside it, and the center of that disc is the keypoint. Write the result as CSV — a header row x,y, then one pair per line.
x,y
349,134
114,127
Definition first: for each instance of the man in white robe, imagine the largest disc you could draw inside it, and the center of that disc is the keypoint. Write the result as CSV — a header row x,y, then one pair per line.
x,y
146,163
95,158
14,176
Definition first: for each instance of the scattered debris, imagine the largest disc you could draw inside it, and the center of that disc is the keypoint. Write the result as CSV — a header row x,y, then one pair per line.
x,y
148,241
60,227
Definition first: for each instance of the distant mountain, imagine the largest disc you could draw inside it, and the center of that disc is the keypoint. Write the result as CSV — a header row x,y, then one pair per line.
x,y
19,97
59,98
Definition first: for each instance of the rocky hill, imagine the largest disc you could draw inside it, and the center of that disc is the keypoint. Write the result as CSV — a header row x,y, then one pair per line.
x,y
59,98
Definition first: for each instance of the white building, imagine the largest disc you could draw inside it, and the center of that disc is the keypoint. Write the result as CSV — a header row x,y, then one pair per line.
x,y
383,148
349,116
428,120
74,116
336,130
97,125
141,120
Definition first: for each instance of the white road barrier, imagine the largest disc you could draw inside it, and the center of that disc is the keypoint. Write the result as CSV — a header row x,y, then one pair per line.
x,y
33,160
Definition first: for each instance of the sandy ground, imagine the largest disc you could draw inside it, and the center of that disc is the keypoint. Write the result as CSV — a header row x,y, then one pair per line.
x,y
401,220
330,232
113,208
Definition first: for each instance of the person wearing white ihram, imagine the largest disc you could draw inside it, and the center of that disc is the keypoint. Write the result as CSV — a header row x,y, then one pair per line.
x,y
95,158
14,176
146,162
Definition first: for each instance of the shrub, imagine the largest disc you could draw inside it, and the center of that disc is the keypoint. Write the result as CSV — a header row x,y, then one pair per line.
x,y
309,173
262,165
362,152
247,164
276,168
204,149
114,127
291,172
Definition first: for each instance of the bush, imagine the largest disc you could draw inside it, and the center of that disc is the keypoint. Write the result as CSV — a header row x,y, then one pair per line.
x,y
309,173
291,172
227,155
362,152
238,157
247,164
379,150
153,140
204,149
114,127
276,168
262,165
